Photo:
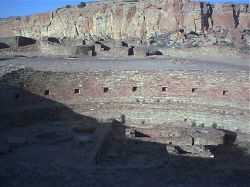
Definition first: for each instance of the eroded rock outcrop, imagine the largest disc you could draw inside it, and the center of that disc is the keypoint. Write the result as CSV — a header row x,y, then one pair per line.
x,y
121,19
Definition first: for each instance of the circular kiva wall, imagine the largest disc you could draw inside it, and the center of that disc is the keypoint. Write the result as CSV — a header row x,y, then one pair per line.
x,y
137,98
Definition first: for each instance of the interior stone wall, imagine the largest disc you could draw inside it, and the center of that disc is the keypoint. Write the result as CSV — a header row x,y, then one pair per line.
x,y
141,98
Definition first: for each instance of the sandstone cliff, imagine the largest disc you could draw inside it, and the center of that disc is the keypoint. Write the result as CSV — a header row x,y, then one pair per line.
x,y
121,19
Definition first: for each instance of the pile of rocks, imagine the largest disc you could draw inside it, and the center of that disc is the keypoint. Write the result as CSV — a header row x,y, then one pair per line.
x,y
184,141
185,38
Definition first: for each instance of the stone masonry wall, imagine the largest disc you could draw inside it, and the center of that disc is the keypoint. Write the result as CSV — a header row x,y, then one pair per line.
x,y
143,98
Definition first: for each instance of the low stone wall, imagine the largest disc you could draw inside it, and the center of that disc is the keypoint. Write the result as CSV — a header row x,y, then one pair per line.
x,y
17,41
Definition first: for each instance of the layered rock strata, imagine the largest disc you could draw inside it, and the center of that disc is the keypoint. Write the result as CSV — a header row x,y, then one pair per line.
x,y
119,19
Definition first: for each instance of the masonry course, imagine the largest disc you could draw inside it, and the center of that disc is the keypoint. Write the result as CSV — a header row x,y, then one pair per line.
x,y
109,95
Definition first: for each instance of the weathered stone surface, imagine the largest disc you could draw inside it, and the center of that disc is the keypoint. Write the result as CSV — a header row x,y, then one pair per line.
x,y
189,150
180,140
4,148
143,18
83,134
208,136
179,136
50,138
16,141
83,138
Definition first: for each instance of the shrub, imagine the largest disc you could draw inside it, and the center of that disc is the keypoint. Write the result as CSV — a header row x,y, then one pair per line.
x,y
67,6
81,5
214,125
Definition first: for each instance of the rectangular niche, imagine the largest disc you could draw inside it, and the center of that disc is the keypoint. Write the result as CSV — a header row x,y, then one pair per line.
x,y
134,88
47,92
77,91
164,88
105,89
225,92
194,90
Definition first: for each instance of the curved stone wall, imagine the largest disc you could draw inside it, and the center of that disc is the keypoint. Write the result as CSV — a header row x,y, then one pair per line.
x,y
138,98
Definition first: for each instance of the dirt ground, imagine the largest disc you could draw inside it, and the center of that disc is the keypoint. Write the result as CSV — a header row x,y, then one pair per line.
x,y
97,64
51,156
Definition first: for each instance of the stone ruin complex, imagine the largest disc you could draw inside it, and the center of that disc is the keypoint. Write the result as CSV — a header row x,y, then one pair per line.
x,y
126,93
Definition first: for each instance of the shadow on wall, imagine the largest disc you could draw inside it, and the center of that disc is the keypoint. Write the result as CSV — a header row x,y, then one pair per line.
x,y
3,45
131,51
206,16
121,160
5,58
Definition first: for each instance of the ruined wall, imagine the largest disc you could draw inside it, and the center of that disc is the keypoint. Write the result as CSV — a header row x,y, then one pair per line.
x,y
142,98
128,19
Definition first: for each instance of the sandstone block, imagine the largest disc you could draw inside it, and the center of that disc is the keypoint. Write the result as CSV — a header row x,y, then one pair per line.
x,y
208,137
16,141
4,148
83,138
190,150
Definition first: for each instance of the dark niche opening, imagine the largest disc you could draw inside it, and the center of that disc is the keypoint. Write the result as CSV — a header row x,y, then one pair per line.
x,y
124,44
194,89
164,88
77,91
17,96
105,48
139,134
105,89
225,92
131,51
46,92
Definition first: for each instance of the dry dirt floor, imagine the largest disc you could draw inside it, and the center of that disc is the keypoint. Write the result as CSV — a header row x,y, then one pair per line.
x,y
155,63
53,156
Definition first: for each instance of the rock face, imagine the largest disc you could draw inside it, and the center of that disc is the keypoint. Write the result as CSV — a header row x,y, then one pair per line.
x,y
119,19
